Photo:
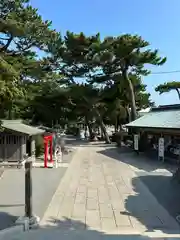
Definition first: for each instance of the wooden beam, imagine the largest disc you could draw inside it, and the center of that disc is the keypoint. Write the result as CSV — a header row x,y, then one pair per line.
x,y
28,189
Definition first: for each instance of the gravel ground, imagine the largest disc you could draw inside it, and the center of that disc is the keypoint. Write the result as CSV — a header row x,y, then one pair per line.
x,y
45,183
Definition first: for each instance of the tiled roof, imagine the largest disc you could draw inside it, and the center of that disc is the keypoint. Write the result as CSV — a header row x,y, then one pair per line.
x,y
162,117
19,126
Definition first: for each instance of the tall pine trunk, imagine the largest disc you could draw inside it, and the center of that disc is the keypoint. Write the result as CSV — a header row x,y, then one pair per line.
x,y
132,96
177,90
128,114
115,128
102,126
103,129
89,127
116,125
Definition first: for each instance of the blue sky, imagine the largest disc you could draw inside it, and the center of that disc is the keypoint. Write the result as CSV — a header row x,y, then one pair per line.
x,y
157,21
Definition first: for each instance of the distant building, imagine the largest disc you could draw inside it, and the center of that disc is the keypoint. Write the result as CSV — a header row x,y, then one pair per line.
x,y
17,142
160,122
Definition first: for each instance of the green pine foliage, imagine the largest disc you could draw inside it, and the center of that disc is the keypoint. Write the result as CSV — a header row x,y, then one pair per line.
x,y
46,90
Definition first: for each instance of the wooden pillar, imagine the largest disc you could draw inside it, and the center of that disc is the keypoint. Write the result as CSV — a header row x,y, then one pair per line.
x,y
5,148
51,151
33,148
28,189
45,153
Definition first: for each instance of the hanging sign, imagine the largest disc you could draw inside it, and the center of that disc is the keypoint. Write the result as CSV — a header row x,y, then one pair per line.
x,y
161,147
136,142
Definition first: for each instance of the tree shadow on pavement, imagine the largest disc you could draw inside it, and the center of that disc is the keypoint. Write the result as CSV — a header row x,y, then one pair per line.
x,y
142,207
84,143
69,229
6,220
164,190
140,162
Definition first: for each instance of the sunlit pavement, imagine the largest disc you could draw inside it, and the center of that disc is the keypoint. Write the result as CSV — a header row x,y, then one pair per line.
x,y
101,196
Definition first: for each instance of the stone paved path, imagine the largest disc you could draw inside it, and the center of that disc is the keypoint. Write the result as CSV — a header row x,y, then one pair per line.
x,y
97,193
97,199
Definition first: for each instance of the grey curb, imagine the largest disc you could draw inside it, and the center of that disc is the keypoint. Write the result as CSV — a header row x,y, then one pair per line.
x,y
22,224
11,231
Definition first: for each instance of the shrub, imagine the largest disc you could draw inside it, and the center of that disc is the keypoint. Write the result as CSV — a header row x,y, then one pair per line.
x,y
39,145
120,137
